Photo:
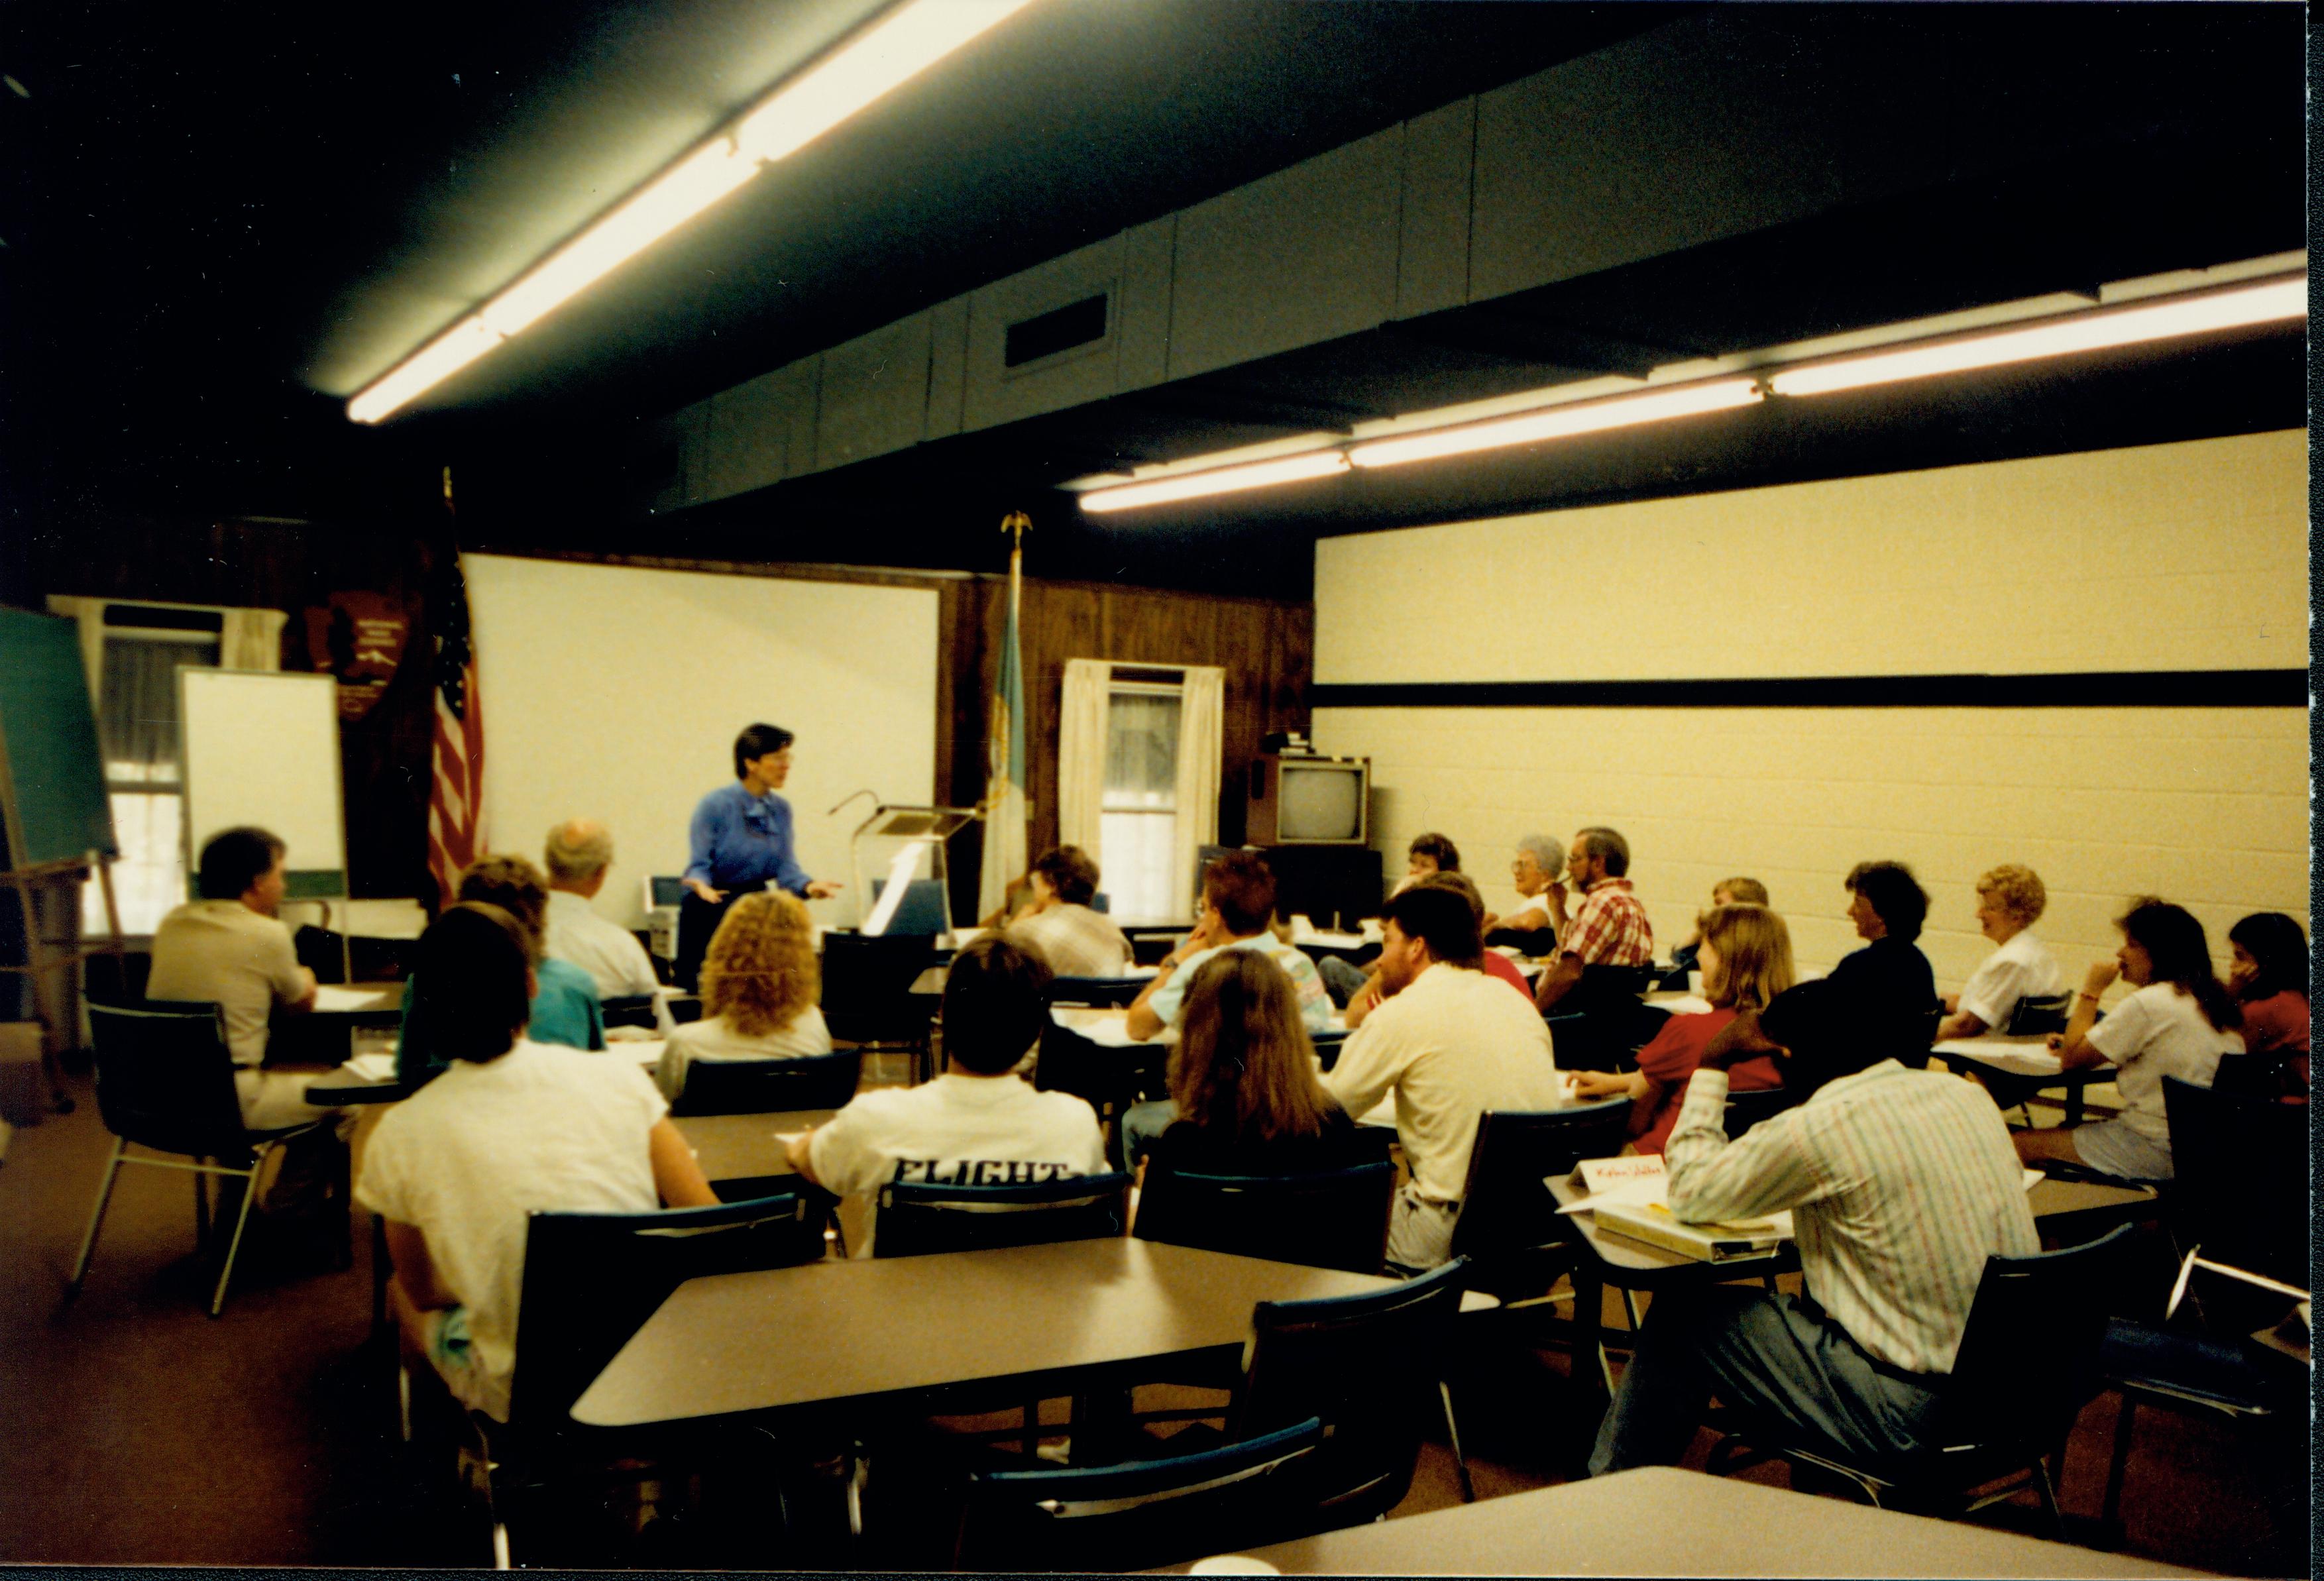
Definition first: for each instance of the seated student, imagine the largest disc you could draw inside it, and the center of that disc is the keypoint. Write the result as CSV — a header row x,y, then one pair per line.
x,y
1058,922
1451,1043
1238,913
979,1124
1901,1183
1368,997
1243,1080
1726,892
1747,962
1889,978
2010,900
565,1008
1531,926
577,855
2178,1021
760,983
1610,928
2269,979
512,1129
230,948
1428,853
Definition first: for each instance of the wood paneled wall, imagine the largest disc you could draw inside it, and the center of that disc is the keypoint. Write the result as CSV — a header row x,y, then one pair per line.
x,y
1265,647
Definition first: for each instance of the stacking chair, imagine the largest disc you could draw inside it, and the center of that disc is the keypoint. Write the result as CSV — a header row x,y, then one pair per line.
x,y
867,991
762,1086
1109,1079
165,1083
591,1280
2009,1403
2239,1188
1140,1515
1107,992
2038,1016
1334,1219
916,1219
629,1010
1746,1109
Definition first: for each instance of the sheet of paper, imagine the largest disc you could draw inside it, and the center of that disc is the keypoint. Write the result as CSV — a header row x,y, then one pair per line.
x,y
333,996
371,1067
900,869
1636,1181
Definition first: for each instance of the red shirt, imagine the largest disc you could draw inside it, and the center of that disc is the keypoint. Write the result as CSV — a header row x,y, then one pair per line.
x,y
1671,1060
1502,967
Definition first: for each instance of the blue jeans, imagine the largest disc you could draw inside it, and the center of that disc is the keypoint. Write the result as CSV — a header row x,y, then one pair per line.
x,y
1140,1124
1772,1357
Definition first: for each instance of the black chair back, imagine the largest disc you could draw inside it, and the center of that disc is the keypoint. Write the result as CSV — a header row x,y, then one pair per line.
x,y
2006,1392
1606,985
2239,1183
866,986
1367,1366
1142,1514
1505,1208
763,1087
2038,1016
1109,992
165,1079
1333,1218
1602,1033
916,1219
629,1010
1746,1109
591,1280
1109,1079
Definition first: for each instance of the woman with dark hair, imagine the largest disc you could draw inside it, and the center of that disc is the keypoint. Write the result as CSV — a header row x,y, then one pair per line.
x,y
1243,1078
740,842
2178,1021
565,1008
512,1129
1889,978
2269,979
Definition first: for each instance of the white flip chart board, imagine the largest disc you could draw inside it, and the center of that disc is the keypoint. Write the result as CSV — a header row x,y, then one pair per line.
x,y
263,748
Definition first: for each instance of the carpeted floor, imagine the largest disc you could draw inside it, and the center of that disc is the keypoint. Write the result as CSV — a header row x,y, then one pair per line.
x,y
136,1430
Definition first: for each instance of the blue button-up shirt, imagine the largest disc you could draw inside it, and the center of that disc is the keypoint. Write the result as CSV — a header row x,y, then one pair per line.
x,y
737,838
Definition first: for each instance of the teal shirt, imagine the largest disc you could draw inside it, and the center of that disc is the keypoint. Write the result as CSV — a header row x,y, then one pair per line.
x,y
565,1010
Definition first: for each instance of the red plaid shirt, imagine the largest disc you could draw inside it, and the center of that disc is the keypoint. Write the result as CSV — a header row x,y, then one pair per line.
x,y
1611,928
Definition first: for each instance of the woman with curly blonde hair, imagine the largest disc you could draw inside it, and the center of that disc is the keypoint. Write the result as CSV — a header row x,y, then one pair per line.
x,y
2010,899
760,984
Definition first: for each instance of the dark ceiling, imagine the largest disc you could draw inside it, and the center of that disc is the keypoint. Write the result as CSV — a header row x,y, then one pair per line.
x,y
219,221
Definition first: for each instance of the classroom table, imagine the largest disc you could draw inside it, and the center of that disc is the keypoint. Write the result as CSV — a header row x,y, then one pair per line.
x,y
859,1334
735,1147
1974,1056
1661,1520
344,1087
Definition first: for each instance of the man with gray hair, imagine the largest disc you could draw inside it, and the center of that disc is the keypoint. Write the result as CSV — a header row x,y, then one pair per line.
x,y
1540,862
579,853
1609,929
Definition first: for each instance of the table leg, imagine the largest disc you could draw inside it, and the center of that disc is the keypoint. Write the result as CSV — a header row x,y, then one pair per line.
x,y
1590,1385
2074,1103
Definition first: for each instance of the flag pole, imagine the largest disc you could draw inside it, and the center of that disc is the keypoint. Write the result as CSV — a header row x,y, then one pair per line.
x,y
1003,806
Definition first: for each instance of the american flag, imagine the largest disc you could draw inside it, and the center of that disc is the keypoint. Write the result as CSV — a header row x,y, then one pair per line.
x,y
455,811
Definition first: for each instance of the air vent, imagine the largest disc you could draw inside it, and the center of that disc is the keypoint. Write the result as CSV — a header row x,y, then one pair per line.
x,y
1061,329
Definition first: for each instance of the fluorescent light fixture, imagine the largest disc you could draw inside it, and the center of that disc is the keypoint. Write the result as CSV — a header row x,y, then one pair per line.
x,y
1620,411
1221,480
2230,308
891,51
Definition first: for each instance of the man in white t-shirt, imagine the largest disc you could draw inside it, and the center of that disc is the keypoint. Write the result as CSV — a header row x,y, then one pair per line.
x,y
230,948
578,855
979,1124
1451,1043
2009,900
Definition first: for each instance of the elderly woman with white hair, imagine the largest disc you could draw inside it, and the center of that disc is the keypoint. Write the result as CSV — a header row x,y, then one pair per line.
x,y
2010,899
1540,863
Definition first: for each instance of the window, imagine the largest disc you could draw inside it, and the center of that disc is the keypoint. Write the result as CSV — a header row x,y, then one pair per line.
x,y
1139,820
137,728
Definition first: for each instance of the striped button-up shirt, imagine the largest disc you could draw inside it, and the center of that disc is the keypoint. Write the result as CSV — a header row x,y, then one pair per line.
x,y
1611,928
1901,1184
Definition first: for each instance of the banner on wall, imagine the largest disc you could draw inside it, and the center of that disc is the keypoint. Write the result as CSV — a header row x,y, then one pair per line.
x,y
359,638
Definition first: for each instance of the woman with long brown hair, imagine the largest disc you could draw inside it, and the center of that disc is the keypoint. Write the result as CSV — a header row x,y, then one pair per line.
x,y
759,985
1244,1079
1745,956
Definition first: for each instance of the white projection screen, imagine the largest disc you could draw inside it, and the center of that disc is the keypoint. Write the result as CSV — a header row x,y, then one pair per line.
x,y
614,692
261,748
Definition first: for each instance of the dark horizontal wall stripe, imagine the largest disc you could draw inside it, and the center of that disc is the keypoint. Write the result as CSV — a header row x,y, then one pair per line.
x,y
2088,689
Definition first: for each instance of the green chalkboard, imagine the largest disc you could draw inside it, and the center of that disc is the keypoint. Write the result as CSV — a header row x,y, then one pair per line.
x,y
51,778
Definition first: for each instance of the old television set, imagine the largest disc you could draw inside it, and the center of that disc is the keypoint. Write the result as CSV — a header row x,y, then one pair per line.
x,y
1307,800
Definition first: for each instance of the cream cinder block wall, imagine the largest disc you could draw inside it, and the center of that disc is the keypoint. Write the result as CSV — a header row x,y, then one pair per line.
x,y
2171,556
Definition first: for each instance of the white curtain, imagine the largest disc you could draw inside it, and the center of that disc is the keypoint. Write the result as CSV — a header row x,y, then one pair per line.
x,y
90,613
252,639
1081,753
1201,734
